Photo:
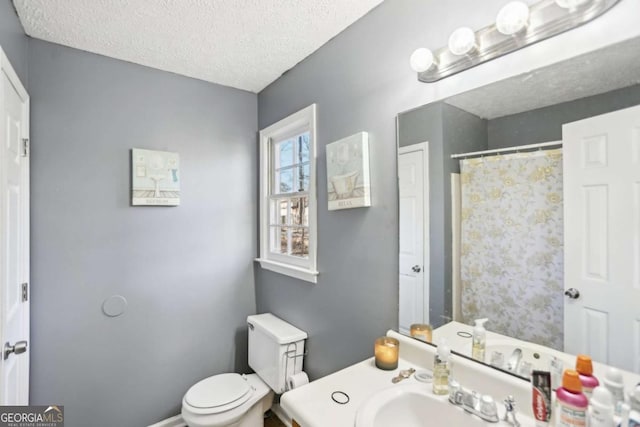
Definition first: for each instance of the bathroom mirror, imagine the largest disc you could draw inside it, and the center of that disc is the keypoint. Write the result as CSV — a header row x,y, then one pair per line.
x,y
497,243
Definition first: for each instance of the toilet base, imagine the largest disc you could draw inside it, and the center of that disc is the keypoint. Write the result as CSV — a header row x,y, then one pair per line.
x,y
253,418
237,417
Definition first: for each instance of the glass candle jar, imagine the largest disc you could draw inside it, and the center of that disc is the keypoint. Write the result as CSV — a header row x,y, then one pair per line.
x,y
386,353
422,332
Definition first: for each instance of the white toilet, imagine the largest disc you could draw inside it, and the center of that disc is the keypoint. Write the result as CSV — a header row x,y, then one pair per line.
x,y
276,349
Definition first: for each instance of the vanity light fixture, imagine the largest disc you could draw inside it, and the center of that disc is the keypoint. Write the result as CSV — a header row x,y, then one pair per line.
x,y
422,59
512,18
571,4
462,41
517,25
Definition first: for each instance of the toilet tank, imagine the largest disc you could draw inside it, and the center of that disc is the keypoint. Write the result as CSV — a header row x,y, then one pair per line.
x,y
276,349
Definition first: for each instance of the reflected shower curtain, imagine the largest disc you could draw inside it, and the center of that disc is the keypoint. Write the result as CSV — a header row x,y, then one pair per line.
x,y
511,252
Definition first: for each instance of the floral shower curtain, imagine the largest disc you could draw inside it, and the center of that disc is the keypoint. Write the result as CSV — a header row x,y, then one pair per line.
x,y
511,255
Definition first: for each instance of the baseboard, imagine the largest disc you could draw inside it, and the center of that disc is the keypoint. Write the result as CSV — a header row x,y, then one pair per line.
x,y
281,414
176,421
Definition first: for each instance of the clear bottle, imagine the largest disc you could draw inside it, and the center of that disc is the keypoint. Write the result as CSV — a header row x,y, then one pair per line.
x,y
634,414
479,341
625,411
556,367
441,369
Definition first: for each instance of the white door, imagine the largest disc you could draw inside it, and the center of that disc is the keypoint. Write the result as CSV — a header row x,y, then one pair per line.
x,y
414,272
14,233
602,237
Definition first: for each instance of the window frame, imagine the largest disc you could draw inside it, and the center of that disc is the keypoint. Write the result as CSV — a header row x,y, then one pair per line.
x,y
289,127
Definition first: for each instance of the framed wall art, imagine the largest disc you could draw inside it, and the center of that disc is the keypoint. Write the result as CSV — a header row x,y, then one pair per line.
x,y
155,178
348,182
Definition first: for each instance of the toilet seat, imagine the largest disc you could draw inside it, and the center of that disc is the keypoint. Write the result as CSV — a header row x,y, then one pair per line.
x,y
218,393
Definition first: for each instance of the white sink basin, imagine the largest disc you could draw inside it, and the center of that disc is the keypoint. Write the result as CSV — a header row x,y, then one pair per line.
x,y
538,357
410,405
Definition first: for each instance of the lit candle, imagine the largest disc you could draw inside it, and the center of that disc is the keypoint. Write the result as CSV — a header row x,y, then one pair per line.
x,y
386,353
421,331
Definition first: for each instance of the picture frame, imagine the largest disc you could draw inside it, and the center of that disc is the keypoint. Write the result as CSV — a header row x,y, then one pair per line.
x,y
155,178
348,179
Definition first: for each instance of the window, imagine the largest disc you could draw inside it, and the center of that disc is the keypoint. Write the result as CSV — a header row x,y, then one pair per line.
x,y
288,196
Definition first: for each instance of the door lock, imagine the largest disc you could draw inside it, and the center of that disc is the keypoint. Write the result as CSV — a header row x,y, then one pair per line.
x,y
416,269
18,348
572,293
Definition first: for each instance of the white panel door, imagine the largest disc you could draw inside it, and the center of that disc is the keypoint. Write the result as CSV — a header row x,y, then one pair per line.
x,y
414,274
14,230
602,237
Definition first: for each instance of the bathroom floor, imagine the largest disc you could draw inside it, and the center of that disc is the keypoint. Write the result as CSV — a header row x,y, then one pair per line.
x,y
271,420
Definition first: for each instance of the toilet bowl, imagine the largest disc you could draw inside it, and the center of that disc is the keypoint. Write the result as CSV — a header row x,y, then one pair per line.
x,y
276,349
230,400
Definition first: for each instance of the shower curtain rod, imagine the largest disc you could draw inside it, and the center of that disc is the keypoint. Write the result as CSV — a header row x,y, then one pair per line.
x,y
506,150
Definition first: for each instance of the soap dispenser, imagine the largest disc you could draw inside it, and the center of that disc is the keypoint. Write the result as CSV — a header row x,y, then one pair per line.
x,y
479,341
441,369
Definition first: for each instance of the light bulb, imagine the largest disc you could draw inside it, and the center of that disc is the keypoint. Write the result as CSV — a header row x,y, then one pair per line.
x,y
571,4
462,41
512,18
421,60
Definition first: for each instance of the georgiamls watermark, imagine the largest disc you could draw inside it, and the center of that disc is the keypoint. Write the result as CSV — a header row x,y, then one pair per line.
x,y
32,416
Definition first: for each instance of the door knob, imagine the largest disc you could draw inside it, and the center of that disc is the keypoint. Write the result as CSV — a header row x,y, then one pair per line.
x,y
416,269
572,293
18,348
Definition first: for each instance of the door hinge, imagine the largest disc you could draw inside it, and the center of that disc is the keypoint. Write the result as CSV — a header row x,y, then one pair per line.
x,y
25,147
25,292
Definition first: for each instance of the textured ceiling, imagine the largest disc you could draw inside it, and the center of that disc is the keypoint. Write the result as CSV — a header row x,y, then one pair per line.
x,y
245,44
600,71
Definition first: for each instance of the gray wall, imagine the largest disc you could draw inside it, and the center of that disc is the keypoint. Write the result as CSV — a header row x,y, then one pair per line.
x,y
13,40
449,130
545,124
360,80
186,271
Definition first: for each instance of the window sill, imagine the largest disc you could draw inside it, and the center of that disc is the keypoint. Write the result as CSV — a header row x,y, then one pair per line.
x,y
289,270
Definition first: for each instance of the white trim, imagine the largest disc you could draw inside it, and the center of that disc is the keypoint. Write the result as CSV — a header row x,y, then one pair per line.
x,y
6,67
24,268
176,421
300,268
421,146
290,270
456,228
426,243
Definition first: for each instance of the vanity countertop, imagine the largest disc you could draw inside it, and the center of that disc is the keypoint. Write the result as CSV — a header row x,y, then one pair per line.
x,y
312,406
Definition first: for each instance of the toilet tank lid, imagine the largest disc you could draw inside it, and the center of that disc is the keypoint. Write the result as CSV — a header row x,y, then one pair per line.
x,y
281,331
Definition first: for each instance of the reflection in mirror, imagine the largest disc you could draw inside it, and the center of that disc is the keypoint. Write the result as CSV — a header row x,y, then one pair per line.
x,y
532,215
